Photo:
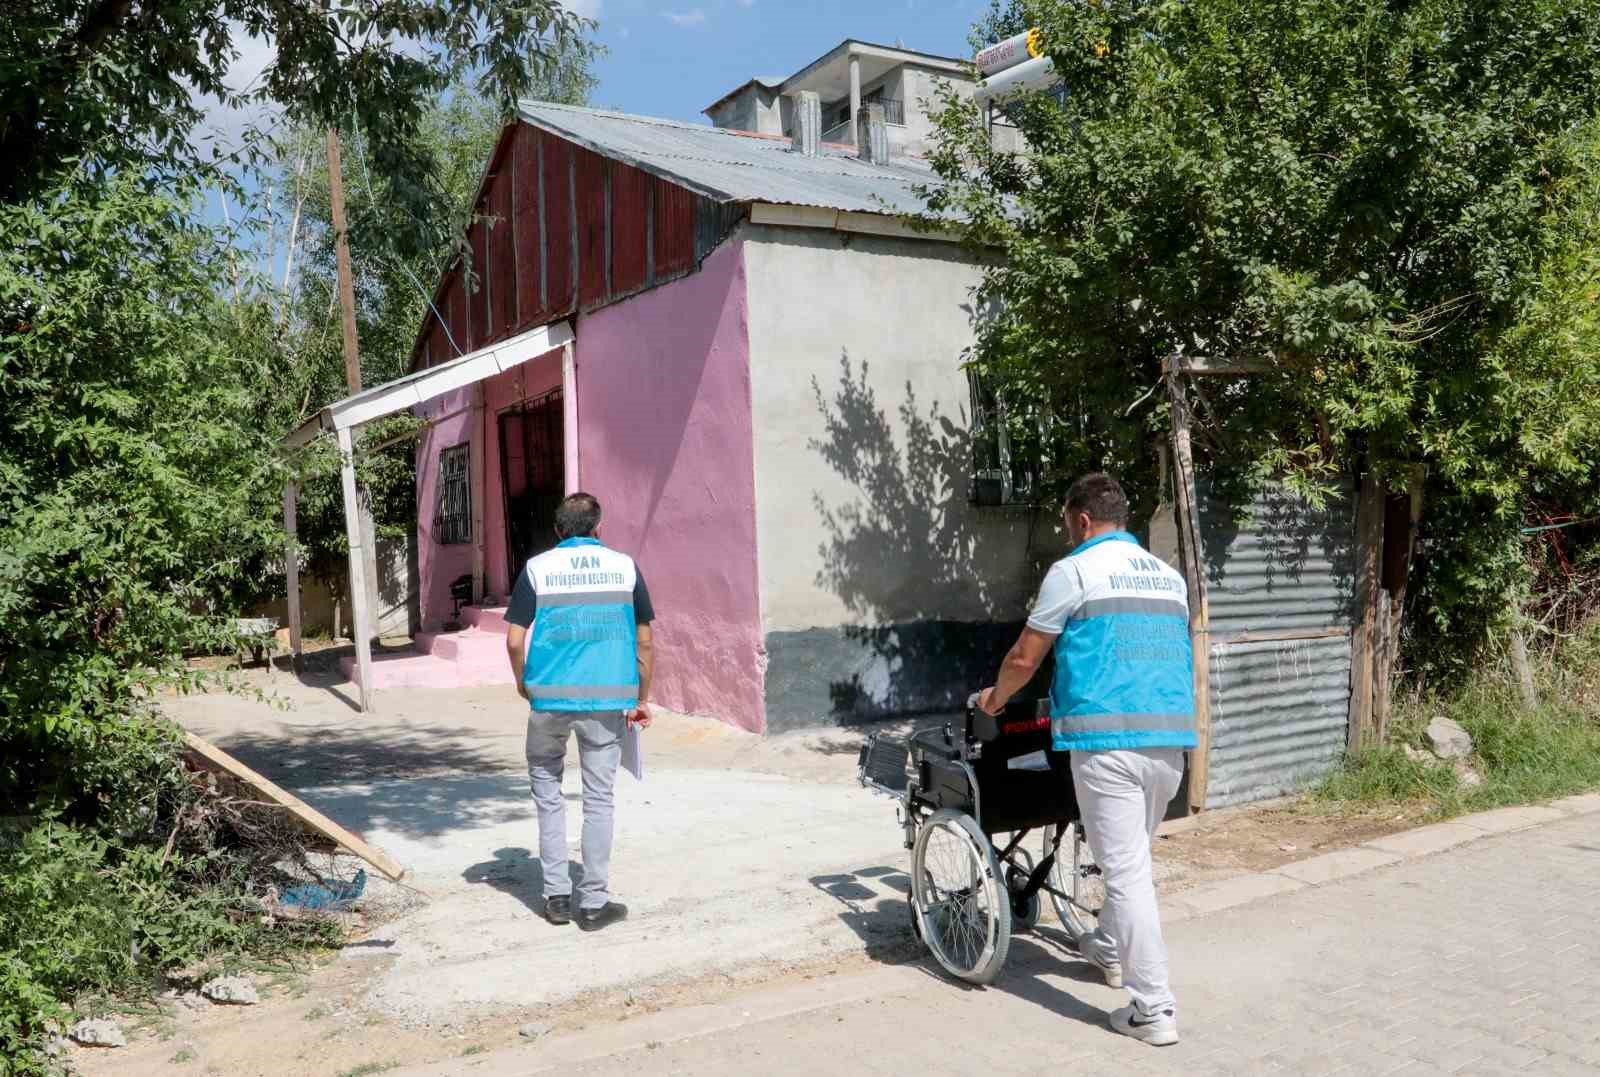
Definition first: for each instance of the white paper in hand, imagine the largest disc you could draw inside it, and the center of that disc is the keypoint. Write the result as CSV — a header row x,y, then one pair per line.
x,y
631,761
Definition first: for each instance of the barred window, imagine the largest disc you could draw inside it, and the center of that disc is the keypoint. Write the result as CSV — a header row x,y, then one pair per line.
x,y
452,521
1009,458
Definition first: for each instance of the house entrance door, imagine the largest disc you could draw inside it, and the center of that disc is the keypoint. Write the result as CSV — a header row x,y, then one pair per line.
x,y
533,462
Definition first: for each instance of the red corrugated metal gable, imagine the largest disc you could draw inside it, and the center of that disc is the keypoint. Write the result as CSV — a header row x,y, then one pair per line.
x,y
594,200
560,256
529,225
562,229
630,228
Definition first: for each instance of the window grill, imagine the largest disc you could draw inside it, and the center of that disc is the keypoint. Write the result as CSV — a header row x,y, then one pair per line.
x,y
452,521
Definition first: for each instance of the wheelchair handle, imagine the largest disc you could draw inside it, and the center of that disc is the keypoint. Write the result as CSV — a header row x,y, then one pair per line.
x,y
984,727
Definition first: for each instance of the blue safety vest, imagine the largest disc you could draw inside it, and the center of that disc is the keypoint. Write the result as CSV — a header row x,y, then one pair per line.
x,y
583,653
1124,674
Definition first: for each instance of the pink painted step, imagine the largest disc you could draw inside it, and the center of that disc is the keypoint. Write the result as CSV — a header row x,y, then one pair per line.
x,y
474,656
487,618
455,646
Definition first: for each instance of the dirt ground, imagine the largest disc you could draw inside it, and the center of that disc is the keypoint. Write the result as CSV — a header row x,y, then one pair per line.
x,y
353,1011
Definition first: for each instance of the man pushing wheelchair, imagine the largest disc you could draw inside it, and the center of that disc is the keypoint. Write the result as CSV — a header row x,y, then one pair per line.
x,y
1122,703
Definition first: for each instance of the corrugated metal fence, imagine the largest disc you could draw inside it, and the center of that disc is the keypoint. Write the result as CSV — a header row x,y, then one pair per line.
x,y
1280,581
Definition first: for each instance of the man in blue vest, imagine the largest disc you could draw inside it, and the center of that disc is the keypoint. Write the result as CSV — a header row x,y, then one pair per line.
x,y
1122,701
585,670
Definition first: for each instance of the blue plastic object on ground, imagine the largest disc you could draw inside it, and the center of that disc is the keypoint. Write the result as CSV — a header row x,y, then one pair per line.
x,y
317,896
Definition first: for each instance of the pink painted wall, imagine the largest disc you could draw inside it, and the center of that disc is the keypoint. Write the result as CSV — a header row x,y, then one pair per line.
x,y
665,441
438,564
531,379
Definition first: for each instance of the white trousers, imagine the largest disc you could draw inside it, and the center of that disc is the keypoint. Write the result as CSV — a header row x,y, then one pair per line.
x,y
1122,796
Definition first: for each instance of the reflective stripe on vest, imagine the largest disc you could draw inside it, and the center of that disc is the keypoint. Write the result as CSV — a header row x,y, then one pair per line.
x,y
582,653
1124,675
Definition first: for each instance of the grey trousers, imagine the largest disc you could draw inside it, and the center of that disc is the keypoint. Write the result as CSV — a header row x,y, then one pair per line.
x,y
599,749
1122,796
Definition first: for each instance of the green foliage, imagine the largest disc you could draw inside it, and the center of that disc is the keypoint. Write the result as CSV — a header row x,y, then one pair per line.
x,y
1393,205
143,391
134,464
1522,755
119,84
132,457
86,914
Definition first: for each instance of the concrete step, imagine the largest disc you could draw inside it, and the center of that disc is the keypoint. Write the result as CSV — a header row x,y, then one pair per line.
x,y
485,618
458,646
414,669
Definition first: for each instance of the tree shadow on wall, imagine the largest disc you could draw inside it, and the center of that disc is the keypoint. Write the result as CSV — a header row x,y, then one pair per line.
x,y
1281,551
907,556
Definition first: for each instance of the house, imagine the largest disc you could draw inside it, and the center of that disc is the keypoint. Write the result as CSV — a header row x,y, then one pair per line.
x,y
851,75
736,342
764,390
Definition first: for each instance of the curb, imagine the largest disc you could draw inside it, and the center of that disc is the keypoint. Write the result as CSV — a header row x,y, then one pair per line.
x,y
1395,848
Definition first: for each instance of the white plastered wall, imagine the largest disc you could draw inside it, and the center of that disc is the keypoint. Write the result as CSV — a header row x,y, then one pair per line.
x,y
862,456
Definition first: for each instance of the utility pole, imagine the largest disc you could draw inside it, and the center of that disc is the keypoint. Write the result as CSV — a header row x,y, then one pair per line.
x,y
341,247
357,510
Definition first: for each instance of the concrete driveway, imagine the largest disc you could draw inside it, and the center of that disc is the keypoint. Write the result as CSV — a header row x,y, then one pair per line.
x,y
734,851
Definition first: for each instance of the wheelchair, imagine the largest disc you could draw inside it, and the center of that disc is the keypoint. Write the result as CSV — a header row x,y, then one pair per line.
x,y
969,794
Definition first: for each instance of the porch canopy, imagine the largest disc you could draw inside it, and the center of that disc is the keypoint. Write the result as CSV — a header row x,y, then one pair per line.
x,y
344,416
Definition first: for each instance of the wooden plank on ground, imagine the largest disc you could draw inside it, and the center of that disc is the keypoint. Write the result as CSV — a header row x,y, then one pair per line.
x,y
209,756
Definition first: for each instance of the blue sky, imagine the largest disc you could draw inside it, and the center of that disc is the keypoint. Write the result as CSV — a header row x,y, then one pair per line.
x,y
672,58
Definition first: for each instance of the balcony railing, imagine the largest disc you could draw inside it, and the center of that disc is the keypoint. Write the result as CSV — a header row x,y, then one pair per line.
x,y
893,111
894,114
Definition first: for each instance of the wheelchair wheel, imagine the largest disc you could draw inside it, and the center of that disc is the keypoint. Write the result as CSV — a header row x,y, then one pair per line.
x,y
1024,916
1076,875
962,907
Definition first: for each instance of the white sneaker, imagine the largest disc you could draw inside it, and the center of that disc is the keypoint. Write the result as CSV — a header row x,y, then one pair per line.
x,y
1158,1030
1101,953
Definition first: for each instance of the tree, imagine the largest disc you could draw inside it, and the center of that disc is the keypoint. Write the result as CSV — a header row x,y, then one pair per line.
x,y
1377,200
133,453
117,83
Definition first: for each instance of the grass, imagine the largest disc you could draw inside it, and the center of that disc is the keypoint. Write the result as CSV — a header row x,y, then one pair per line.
x,y
366,1069
475,1049
1523,755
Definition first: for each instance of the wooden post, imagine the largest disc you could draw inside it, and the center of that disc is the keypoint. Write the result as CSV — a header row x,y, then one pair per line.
x,y
352,373
291,566
360,600
1400,543
1199,607
1387,629
1519,652
477,447
569,416
1363,640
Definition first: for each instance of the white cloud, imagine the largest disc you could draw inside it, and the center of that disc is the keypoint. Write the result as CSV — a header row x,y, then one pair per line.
x,y
686,18
223,125
589,9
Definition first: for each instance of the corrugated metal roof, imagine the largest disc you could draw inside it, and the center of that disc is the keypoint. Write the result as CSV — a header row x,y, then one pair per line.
x,y
739,167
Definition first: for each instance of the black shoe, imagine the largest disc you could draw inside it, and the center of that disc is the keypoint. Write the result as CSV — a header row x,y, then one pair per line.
x,y
595,919
558,910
